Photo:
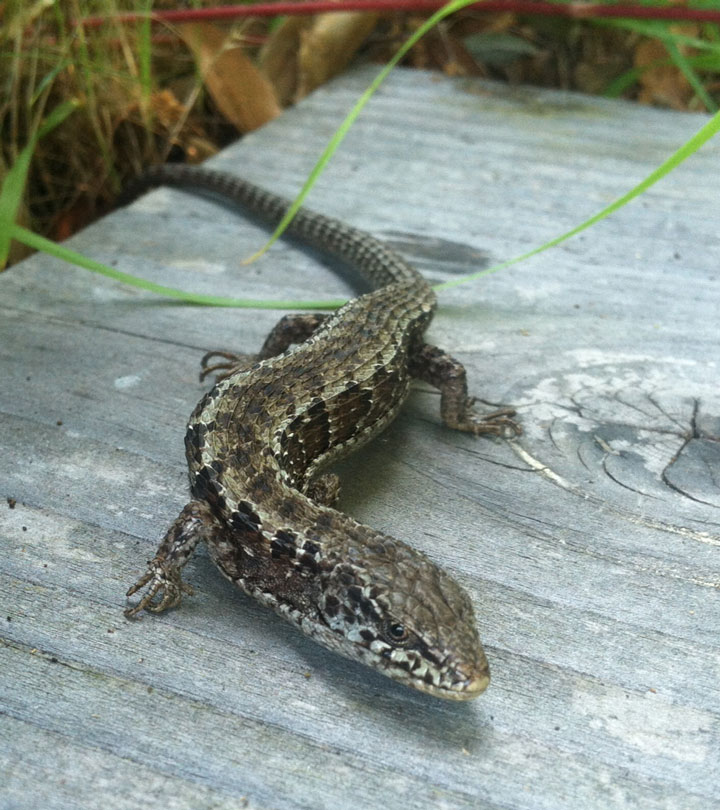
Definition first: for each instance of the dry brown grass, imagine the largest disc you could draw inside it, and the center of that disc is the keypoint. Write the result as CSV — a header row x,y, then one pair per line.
x,y
144,95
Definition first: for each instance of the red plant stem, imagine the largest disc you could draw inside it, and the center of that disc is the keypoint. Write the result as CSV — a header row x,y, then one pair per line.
x,y
579,10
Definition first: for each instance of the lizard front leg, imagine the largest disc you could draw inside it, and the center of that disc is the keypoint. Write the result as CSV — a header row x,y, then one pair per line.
x,y
439,369
195,523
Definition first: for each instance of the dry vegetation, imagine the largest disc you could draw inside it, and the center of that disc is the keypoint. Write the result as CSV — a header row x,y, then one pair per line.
x,y
151,93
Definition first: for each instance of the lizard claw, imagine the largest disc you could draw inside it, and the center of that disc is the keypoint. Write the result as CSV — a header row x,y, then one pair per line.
x,y
498,423
163,580
233,362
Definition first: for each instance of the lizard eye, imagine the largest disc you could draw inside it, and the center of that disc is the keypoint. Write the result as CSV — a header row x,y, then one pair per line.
x,y
396,633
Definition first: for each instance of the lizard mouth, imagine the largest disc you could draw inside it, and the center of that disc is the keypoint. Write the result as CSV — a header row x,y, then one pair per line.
x,y
465,688
473,687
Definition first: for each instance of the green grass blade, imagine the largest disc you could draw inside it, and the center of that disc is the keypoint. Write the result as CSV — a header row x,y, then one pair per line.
x,y
626,80
691,146
48,79
684,66
145,54
33,240
342,130
656,29
14,185
704,61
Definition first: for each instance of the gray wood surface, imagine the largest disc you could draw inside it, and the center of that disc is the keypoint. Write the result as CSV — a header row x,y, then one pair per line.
x,y
590,546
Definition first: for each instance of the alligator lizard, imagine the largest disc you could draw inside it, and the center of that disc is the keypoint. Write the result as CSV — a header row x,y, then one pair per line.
x,y
257,445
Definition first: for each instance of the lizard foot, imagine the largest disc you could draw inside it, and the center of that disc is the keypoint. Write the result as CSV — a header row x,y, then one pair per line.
x,y
496,423
163,580
447,374
232,363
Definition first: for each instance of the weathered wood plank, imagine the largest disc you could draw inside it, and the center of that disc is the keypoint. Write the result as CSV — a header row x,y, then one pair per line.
x,y
590,547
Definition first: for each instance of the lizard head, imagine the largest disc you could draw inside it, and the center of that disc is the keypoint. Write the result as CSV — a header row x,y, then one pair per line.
x,y
393,609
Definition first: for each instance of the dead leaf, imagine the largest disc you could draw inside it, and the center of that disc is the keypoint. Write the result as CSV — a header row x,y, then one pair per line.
x,y
327,48
240,91
167,109
173,118
660,84
279,56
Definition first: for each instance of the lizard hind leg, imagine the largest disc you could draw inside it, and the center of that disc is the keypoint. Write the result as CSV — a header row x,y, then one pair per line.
x,y
288,330
434,366
162,578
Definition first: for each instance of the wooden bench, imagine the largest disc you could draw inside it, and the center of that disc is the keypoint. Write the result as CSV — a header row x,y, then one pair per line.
x,y
590,546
